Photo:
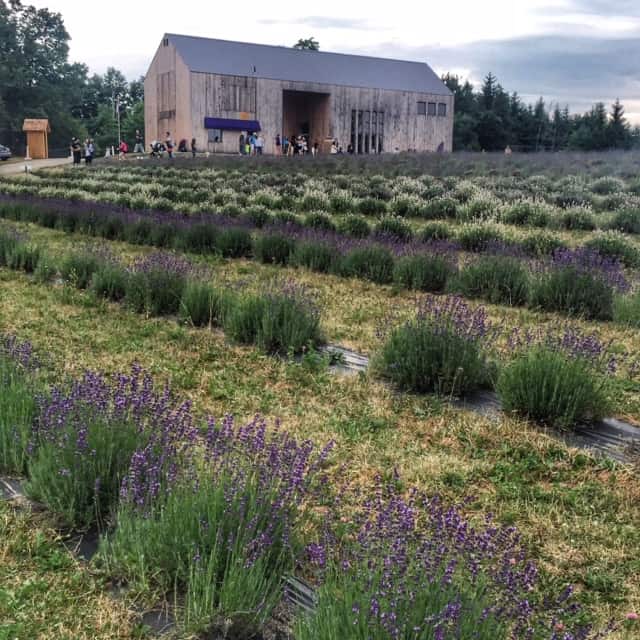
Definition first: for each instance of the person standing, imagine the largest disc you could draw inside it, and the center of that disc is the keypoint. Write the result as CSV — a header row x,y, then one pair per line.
x,y
241,144
193,147
169,144
278,145
139,146
252,144
123,149
76,150
285,146
87,152
259,144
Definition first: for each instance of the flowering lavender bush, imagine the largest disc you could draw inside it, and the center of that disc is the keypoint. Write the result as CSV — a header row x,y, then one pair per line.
x,y
579,282
496,279
441,350
156,282
557,379
414,569
85,436
17,402
283,319
224,531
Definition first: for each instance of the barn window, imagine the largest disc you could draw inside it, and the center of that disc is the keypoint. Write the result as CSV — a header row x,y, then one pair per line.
x,y
422,108
215,135
432,109
442,108
380,130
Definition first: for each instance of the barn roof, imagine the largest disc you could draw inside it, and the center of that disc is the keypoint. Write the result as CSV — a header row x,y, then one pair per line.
x,y
208,55
36,124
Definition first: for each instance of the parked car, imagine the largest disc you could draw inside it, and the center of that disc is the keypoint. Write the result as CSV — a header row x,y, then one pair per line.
x,y
5,152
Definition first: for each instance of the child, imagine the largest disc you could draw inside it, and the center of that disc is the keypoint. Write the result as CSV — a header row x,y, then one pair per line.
x,y
123,149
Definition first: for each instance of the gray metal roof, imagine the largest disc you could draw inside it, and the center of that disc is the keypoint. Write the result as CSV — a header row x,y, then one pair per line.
x,y
207,55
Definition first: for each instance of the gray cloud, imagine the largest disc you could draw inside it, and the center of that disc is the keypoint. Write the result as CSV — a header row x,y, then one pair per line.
x,y
576,70
619,8
325,22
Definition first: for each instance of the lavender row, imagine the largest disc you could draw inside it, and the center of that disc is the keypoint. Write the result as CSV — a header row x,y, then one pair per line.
x,y
220,512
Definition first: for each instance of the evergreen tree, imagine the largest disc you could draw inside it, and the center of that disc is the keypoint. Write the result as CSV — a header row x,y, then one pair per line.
x,y
619,132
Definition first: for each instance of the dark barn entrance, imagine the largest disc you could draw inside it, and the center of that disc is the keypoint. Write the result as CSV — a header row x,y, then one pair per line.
x,y
306,113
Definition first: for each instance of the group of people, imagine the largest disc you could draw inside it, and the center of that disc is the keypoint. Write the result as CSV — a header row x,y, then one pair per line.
x,y
80,150
250,145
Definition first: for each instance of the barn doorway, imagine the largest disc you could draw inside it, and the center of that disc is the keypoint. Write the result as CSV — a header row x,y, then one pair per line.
x,y
306,113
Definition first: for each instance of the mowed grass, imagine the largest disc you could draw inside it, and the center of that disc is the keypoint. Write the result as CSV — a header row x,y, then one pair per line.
x,y
46,593
578,515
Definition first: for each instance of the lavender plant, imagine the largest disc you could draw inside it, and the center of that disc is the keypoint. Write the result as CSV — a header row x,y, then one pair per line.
x,y
284,319
559,379
225,530
412,568
17,402
441,350
85,436
156,282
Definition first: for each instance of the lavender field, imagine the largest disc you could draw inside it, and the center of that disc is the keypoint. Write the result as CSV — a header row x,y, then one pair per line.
x,y
171,382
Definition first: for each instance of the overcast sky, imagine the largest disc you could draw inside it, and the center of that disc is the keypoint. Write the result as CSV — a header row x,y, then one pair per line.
x,y
574,52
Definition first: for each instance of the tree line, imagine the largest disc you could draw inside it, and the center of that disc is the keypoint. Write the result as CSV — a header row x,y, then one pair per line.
x,y
492,119
38,81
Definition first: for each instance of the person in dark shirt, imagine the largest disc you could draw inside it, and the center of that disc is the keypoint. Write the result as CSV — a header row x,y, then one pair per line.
x,y
76,150
193,147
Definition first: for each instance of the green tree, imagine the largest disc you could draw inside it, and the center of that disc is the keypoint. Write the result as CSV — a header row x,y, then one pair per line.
x,y
307,44
618,130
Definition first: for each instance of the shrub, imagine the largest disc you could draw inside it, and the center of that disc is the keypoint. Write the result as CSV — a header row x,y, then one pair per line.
x,y
552,387
626,220
626,310
110,228
526,213
234,243
8,243
496,279
354,226
17,403
258,216
607,185
286,218
616,247
476,210
24,257
316,256
139,232
409,566
578,219
439,208
203,305
439,351
341,203
78,268
225,530
198,238
422,272
282,320
319,221
155,284
477,237
85,438
372,207
394,228
109,281
541,244
435,231
572,291
273,248
373,263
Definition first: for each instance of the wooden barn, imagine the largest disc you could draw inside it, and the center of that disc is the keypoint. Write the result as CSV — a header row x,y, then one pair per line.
x,y
213,90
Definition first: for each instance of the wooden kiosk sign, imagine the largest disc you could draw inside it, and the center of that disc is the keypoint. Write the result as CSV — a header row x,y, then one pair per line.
x,y
37,130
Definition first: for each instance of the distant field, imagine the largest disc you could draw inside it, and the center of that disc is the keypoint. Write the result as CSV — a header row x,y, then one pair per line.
x,y
223,278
